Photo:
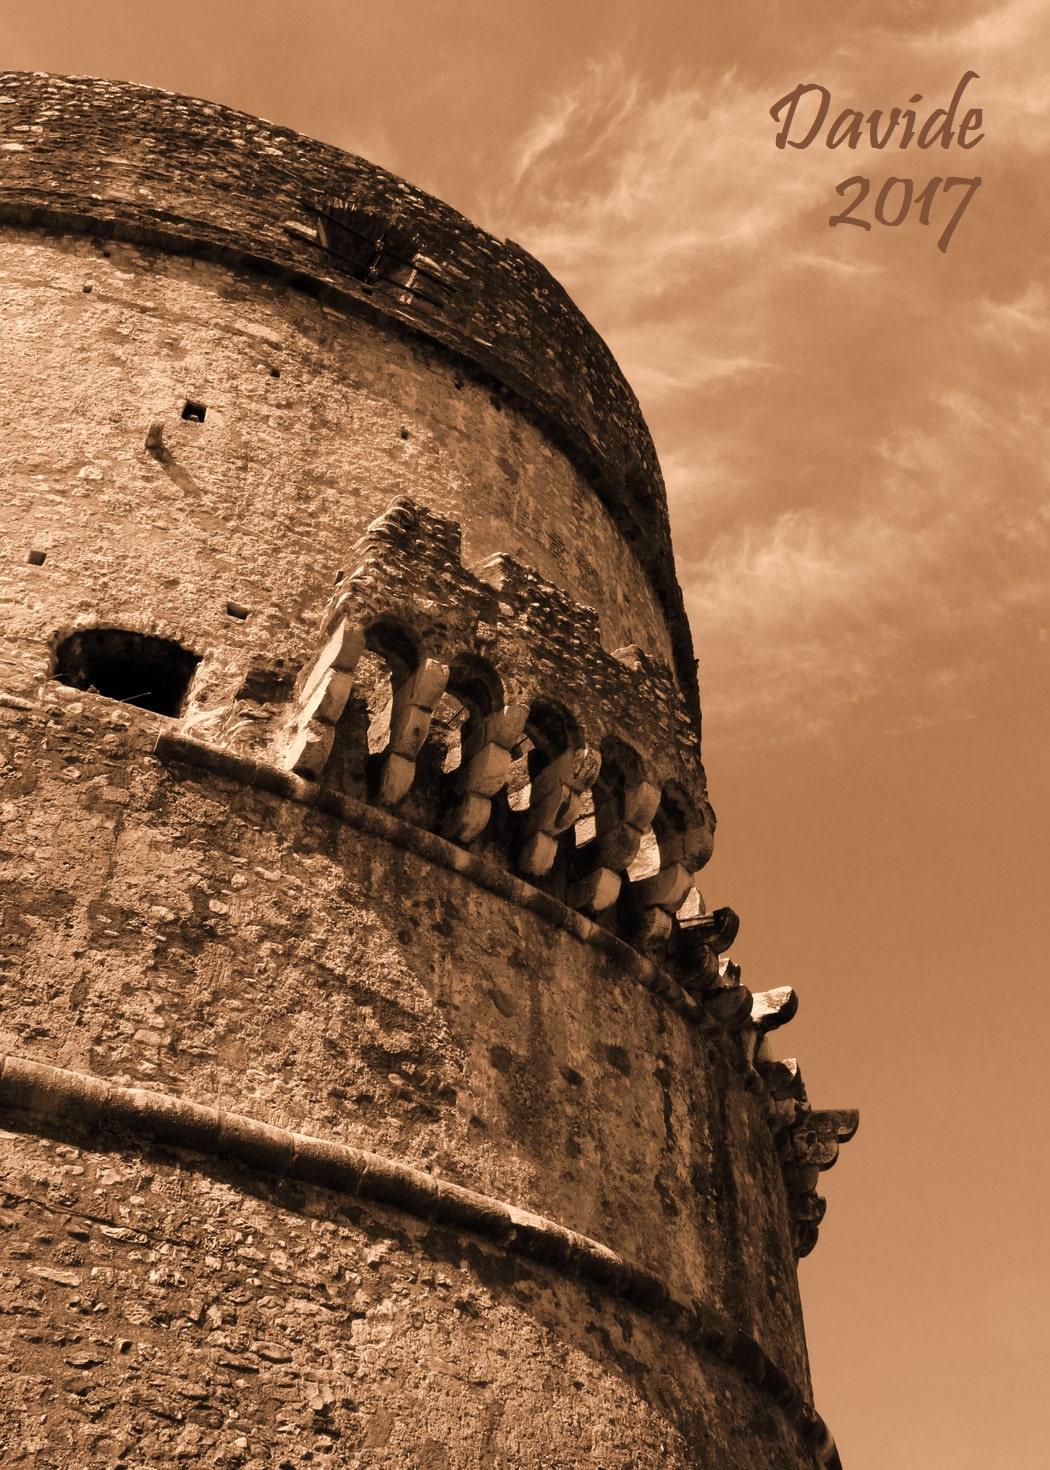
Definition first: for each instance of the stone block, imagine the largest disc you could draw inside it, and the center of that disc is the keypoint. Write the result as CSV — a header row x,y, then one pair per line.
x,y
396,779
618,847
597,891
469,819
329,697
729,1005
555,812
654,929
666,889
577,769
343,649
424,687
506,726
537,855
773,1008
310,749
409,729
640,805
486,772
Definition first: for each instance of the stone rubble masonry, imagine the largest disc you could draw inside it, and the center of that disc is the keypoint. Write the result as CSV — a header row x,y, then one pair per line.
x,y
58,1096
132,164
376,1088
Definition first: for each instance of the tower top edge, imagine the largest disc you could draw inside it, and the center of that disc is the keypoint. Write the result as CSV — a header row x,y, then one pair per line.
x,y
190,176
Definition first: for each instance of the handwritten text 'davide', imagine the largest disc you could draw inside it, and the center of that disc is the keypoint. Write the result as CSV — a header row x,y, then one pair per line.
x,y
803,115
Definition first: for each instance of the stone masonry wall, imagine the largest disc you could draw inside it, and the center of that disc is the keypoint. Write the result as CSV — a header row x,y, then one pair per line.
x,y
114,159
261,503
171,929
168,1311
375,1089
176,929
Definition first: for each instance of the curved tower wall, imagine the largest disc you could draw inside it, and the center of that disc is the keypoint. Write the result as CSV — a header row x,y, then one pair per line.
x,y
374,1085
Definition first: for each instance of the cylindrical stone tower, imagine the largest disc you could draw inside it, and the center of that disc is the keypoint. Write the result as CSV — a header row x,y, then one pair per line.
x,y
375,1089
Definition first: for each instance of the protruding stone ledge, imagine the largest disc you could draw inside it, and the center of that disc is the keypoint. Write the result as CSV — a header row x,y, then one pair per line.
x,y
56,1095
428,845
808,1142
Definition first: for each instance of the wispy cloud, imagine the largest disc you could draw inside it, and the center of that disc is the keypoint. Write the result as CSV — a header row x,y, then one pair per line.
x,y
638,184
1008,44
1018,321
587,115
852,424
934,569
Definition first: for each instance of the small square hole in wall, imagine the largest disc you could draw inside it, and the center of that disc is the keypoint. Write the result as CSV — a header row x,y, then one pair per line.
x,y
37,558
236,610
194,412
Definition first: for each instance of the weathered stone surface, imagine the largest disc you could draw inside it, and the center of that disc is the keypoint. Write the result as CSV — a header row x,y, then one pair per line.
x,y
376,1091
177,183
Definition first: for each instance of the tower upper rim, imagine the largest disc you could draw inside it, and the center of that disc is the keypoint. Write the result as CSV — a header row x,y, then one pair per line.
x,y
194,177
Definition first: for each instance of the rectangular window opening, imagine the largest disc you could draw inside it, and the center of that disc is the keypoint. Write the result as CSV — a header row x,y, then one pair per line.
x,y
236,610
37,558
194,412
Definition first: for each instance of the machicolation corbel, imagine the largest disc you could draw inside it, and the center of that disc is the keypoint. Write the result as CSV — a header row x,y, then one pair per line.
x,y
495,686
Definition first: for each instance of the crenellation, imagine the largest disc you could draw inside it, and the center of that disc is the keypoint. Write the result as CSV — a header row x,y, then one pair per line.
x,y
410,591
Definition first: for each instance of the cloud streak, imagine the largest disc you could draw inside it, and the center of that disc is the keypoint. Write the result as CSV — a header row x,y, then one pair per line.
x,y
853,435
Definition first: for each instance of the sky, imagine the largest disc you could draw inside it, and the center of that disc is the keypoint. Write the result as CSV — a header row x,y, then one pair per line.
x,y
854,433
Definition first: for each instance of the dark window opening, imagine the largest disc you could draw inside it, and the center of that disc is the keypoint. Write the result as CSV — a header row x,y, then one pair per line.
x,y
379,251
194,412
135,668
237,610
37,558
473,691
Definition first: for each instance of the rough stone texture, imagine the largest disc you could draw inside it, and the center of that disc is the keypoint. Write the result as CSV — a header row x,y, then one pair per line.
x,y
411,870
132,163
188,1312
301,463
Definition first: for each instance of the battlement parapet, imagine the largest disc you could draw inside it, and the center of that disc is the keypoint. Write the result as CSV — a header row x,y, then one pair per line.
x,y
479,703
485,704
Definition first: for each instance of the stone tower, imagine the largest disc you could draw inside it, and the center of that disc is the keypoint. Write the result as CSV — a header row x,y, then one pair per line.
x,y
376,1090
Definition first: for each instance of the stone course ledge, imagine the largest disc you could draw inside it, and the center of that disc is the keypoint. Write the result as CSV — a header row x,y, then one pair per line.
x,y
55,1095
807,1139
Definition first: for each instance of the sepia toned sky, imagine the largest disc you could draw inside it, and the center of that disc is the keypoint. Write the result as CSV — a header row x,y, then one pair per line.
x,y
855,435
